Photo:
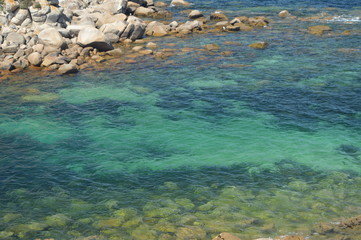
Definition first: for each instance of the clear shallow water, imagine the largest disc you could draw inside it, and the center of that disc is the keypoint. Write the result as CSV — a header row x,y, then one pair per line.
x,y
197,144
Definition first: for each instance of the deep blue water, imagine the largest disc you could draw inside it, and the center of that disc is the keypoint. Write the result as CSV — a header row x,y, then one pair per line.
x,y
254,142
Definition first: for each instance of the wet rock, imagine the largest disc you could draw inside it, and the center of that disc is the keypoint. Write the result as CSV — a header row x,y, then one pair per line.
x,y
284,13
52,38
68,68
195,233
211,47
195,14
319,30
35,59
144,232
179,3
16,38
143,12
293,237
7,65
90,36
258,21
151,45
115,52
218,16
259,45
109,223
226,236
21,64
160,4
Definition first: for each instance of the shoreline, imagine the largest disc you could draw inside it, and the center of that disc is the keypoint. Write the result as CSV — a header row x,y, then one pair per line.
x,y
92,58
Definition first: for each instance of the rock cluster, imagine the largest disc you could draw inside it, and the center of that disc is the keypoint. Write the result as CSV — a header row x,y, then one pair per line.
x,y
51,33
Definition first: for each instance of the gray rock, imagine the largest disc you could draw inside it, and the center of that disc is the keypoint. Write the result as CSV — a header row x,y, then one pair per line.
x,y
16,38
111,37
52,38
7,65
39,15
20,16
35,59
11,48
68,68
114,6
116,28
3,20
54,15
90,36
27,22
1,39
19,54
53,2
21,64
128,31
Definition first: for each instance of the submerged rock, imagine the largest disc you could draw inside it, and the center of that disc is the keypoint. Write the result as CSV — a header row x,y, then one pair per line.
x,y
226,236
259,45
319,30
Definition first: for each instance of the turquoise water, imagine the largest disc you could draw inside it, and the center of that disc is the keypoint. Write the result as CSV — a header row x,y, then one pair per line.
x,y
254,142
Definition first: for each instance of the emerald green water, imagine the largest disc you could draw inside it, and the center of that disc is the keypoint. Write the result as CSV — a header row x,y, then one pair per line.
x,y
190,146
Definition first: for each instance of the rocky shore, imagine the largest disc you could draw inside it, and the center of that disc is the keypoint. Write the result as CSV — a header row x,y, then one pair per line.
x,y
69,35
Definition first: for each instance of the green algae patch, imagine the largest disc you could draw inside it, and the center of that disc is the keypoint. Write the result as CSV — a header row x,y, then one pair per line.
x,y
211,83
57,220
9,217
79,95
42,130
40,98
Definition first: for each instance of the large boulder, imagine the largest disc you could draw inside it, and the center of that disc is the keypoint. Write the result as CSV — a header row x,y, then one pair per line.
x,y
116,28
52,38
92,37
143,12
68,68
113,6
135,29
35,59
16,38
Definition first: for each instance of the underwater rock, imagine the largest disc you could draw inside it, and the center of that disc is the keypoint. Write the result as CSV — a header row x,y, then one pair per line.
x,y
319,30
165,226
11,217
298,185
126,213
46,97
5,234
211,47
259,45
133,222
144,232
57,220
185,203
194,233
109,223
226,236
